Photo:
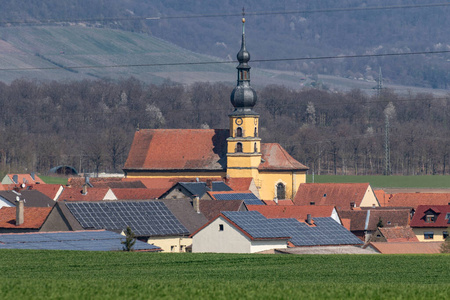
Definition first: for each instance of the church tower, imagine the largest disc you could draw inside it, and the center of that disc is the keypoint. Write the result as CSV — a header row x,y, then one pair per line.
x,y
244,144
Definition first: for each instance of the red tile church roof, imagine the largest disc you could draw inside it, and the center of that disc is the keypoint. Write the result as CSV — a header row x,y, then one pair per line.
x,y
195,149
178,149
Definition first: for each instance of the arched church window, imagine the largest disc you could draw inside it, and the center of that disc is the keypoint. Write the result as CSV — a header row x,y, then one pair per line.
x,y
281,191
239,132
256,131
256,148
238,147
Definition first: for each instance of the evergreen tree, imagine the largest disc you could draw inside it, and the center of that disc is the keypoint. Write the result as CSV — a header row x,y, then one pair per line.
x,y
130,240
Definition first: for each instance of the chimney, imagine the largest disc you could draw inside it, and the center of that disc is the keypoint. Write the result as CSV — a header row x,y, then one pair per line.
x,y
19,211
308,219
209,184
84,190
196,204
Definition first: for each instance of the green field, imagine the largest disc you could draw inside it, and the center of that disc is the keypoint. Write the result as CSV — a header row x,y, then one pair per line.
x,y
429,181
54,179
114,275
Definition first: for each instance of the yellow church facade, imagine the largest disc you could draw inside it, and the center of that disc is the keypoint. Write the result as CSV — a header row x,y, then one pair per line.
x,y
236,152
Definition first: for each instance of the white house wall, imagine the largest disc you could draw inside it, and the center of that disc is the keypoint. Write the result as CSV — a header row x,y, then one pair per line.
x,y
230,240
335,216
4,203
262,245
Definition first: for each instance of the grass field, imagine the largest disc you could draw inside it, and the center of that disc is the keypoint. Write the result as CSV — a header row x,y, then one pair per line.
x,y
430,181
113,275
54,180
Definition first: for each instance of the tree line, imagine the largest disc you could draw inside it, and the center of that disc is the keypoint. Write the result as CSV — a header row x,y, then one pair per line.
x,y
90,124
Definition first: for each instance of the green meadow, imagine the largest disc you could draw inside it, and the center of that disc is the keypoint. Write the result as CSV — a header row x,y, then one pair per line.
x,y
29,274
379,181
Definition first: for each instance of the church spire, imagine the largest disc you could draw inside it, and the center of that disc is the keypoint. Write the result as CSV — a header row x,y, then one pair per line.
x,y
243,96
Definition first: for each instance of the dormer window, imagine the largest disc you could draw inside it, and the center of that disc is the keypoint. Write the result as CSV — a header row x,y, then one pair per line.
x,y
429,218
447,216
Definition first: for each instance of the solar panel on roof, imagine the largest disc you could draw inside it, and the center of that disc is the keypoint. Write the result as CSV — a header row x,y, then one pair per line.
x,y
146,219
325,232
87,241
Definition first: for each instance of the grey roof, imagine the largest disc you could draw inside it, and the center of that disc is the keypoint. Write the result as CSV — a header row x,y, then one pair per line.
x,y
146,218
184,212
220,186
195,188
248,198
325,231
70,240
200,188
33,198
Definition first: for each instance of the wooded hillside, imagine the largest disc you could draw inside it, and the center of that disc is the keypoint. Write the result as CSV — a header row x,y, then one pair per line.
x,y
90,124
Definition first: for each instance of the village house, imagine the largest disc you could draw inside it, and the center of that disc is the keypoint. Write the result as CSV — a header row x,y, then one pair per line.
x,y
431,223
343,196
250,232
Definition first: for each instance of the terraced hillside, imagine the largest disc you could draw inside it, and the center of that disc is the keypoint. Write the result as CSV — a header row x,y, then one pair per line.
x,y
79,52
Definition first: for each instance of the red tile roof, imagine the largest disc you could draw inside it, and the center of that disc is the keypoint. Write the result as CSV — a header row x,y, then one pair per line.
x,y
407,247
239,183
415,199
292,211
280,202
211,209
27,178
276,158
399,234
195,149
381,196
34,217
75,194
175,149
419,219
138,194
49,190
390,218
336,194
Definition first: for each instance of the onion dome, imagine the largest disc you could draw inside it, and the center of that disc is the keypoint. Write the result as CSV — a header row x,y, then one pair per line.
x,y
243,96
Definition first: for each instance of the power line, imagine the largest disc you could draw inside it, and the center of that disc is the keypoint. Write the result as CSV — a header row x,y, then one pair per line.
x,y
228,62
262,13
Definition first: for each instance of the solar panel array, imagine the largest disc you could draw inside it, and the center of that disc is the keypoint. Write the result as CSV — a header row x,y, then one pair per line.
x,y
70,240
254,224
325,232
249,198
145,218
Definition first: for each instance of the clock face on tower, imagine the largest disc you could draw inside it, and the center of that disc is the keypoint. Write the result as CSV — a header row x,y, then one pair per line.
x,y
238,121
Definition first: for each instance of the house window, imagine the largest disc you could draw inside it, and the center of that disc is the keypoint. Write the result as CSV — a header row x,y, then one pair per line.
x,y
281,191
220,227
238,147
429,218
428,235
239,132
173,248
445,234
